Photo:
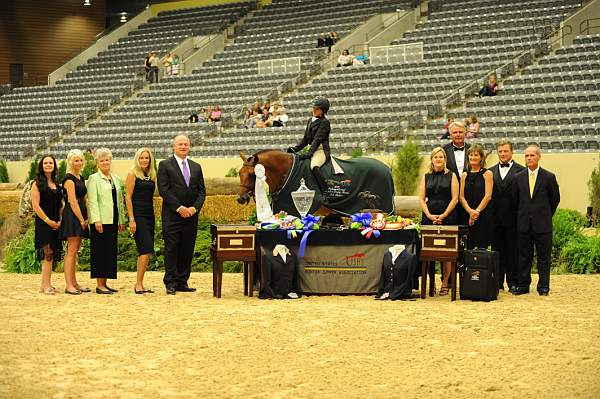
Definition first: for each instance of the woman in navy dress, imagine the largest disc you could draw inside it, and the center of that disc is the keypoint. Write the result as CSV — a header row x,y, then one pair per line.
x,y
139,192
46,201
476,188
74,225
438,195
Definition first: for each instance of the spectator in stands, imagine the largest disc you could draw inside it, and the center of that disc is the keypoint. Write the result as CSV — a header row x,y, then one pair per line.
x,y
147,66
490,88
476,187
255,119
267,106
74,224
107,214
279,118
154,63
247,119
345,59
216,114
274,106
359,60
473,127
139,193
438,196
46,201
176,65
193,118
167,62
446,134
208,113
256,107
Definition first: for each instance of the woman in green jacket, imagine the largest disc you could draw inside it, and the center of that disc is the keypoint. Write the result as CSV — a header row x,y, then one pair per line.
x,y
107,216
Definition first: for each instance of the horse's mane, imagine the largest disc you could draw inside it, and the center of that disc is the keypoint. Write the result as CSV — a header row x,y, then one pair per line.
x,y
256,154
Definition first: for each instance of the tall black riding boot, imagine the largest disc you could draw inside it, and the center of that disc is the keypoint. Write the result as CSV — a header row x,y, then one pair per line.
x,y
316,172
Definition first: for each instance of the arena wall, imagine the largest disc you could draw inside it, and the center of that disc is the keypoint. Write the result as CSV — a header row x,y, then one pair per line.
x,y
42,35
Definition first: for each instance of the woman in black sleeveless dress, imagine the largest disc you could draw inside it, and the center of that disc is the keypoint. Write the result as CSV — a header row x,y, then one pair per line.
x,y
438,196
139,193
46,201
475,195
74,225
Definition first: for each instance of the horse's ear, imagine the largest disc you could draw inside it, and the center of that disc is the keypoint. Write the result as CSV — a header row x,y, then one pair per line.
x,y
243,155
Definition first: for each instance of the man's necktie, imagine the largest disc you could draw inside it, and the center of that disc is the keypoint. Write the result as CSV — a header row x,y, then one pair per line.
x,y
186,172
531,183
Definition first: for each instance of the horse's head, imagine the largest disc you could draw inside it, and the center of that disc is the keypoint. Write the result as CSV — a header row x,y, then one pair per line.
x,y
247,178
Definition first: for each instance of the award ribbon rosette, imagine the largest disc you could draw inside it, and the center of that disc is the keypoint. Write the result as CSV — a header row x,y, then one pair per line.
x,y
303,227
367,225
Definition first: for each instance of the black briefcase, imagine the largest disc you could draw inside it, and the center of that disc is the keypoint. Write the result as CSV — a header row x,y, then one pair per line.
x,y
479,275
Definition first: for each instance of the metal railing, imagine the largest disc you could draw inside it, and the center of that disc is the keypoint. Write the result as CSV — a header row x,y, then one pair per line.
x,y
584,26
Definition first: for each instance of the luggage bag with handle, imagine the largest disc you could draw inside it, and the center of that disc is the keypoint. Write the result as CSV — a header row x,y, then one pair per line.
x,y
479,276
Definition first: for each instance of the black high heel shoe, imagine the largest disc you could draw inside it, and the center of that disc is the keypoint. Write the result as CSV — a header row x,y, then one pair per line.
x,y
107,292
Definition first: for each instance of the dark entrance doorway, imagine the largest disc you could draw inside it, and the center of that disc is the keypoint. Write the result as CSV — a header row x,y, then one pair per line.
x,y
16,75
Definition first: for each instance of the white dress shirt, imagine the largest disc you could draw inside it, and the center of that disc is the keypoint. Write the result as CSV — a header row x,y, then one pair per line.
x,y
504,171
459,157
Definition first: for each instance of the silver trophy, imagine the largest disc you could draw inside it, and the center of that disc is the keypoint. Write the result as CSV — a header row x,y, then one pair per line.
x,y
303,198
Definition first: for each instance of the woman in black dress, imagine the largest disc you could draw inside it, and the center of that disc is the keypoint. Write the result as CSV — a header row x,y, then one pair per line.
x,y
438,195
139,192
107,215
46,201
74,224
476,188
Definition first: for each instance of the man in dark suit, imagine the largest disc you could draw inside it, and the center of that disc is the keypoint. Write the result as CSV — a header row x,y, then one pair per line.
x,y
537,196
181,186
456,154
505,214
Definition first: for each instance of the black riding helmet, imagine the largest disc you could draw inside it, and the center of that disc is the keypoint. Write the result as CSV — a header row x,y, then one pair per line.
x,y
321,102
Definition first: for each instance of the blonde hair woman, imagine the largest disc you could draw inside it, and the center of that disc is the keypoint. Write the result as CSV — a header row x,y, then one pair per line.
x,y
438,195
107,213
74,225
139,192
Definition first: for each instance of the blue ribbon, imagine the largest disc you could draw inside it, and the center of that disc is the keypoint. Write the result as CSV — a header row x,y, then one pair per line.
x,y
364,218
308,224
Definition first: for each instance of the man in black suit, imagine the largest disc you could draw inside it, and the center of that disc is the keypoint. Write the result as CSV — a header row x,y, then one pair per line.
x,y
505,214
456,154
537,196
181,186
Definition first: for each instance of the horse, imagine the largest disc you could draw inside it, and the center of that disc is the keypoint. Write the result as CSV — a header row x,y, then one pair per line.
x,y
366,183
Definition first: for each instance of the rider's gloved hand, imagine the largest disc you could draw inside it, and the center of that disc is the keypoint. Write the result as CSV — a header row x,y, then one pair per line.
x,y
291,150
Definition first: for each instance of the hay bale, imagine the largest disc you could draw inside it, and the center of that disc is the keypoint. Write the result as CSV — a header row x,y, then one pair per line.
x,y
9,202
222,185
220,208
10,186
407,206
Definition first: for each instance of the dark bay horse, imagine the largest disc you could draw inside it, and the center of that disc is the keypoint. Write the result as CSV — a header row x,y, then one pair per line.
x,y
365,184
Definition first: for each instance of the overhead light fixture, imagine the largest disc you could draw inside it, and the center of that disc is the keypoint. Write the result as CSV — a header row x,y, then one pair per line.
x,y
123,17
86,3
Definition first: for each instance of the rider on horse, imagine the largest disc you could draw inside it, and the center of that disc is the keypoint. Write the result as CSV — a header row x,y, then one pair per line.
x,y
316,134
